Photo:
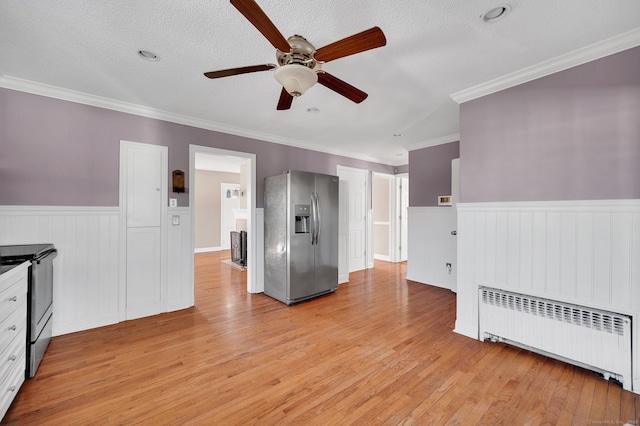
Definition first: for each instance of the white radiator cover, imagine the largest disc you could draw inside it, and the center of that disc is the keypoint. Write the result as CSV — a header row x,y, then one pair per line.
x,y
591,338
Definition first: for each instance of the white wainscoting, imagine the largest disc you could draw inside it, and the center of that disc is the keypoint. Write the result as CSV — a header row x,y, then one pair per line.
x,y
430,245
581,252
180,279
85,292
86,270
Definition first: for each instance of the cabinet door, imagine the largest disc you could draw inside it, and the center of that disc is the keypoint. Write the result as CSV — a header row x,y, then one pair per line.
x,y
145,192
144,186
144,295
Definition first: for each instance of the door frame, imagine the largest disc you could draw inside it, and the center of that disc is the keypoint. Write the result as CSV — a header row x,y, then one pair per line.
x,y
252,252
396,216
122,239
400,240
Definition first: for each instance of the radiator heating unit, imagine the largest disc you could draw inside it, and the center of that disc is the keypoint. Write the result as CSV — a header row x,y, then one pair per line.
x,y
591,338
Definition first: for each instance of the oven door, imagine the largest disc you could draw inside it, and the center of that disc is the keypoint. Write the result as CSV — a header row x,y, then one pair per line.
x,y
40,293
39,309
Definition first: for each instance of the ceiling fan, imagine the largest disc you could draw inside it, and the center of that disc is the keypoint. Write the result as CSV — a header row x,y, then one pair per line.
x,y
299,62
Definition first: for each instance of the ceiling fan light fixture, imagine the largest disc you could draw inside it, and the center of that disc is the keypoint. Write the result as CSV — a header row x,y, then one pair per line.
x,y
296,79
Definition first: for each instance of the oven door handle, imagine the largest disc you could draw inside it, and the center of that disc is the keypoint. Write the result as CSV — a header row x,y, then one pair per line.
x,y
50,254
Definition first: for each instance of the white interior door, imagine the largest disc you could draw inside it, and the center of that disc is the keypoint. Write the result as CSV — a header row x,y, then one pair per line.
x,y
227,217
357,179
144,182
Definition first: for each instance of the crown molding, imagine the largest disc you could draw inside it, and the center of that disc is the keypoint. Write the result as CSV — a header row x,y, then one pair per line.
x,y
433,142
574,58
61,93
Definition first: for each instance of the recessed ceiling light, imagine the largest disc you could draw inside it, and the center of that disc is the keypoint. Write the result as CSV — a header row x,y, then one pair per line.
x,y
496,13
313,109
149,56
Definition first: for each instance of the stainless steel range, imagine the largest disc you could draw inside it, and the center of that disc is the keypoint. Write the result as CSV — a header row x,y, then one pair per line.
x,y
39,296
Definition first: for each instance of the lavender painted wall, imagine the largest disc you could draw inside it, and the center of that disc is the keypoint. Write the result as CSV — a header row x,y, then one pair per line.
x,y
59,153
573,135
430,173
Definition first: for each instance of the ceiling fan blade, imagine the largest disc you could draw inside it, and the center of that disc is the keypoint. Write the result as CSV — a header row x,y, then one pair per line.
x,y
341,87
366,40
236,71
285,100
255,15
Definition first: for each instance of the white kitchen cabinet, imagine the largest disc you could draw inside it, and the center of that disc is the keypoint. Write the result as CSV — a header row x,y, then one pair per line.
x,y
13,333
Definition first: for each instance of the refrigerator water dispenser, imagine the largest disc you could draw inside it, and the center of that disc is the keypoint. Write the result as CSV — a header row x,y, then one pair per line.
x,y
302,218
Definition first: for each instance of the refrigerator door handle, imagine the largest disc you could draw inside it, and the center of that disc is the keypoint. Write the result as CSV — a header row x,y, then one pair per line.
x,y
313,221
316,228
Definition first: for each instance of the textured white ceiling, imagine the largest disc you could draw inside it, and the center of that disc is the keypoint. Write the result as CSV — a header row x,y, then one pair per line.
x,y
434,48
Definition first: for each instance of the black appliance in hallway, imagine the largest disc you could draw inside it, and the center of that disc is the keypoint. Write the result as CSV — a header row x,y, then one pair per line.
x,y
39,296
239,247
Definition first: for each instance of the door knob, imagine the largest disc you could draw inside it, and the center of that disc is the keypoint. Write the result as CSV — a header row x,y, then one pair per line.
x,y
454,232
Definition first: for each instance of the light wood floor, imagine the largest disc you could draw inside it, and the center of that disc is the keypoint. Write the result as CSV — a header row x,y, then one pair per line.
x,y
378,351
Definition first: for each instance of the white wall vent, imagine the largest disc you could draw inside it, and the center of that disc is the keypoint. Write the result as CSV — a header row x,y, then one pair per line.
x,y
591,338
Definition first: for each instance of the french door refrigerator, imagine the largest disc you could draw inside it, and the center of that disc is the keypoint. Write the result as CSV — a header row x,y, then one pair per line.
x,y
300,235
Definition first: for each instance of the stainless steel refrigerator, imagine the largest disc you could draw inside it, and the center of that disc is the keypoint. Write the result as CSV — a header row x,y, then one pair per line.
x,y
300,236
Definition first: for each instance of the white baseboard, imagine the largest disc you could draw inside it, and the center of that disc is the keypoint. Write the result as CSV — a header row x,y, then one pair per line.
x,y
420,280
209,249
178,305
74,326
467,330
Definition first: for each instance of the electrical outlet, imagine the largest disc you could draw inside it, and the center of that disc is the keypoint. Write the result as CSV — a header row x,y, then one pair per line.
x,y
173,202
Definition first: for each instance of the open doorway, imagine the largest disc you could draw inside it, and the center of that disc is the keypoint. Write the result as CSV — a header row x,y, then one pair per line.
x,y
218,165
390,201
382,193
219,200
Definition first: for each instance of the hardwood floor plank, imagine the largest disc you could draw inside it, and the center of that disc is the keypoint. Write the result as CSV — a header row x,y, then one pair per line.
x,y
628,412
583,409
572,396
559,397
519,391
378,351
490,390
542,398
598,404
613,404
